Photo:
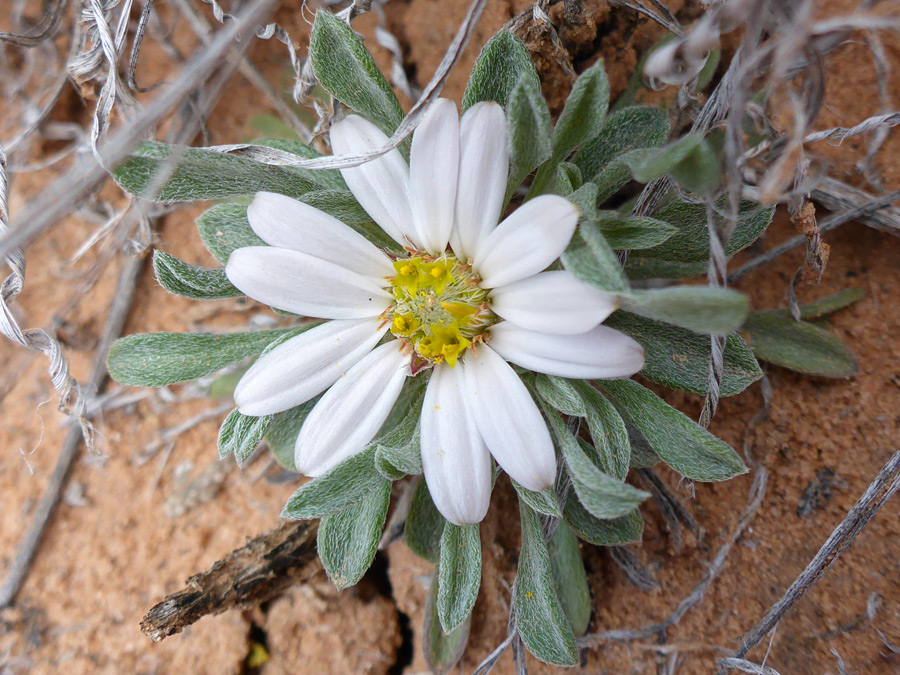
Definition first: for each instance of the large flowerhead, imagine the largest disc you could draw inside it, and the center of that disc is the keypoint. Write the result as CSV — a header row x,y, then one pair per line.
x,y
468,298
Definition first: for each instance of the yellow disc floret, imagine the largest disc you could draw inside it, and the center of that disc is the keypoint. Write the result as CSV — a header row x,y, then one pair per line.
x,y
440,309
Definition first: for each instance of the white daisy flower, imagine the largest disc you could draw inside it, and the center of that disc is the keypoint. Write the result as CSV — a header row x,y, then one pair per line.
x,y
469,297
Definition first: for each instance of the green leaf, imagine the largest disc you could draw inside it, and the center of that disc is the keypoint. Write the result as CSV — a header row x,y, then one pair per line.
x,y
680,442
442,650
398,444
584,112
634,232
581,120
459,574
344,485
160,359
646,164
189,281
568,180
347,71
679,358
225,227
607,431
544,502
591,259
625,530
700,171
424,525
690,244
709,310
624,130
642,455
348,540
503,61
240,434
540,619
584,196
528,121
828,305
798,345
283,431
560,394
602,495
203,174
649,268
569,578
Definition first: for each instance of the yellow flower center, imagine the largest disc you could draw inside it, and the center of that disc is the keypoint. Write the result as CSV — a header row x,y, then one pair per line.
x,y
440,309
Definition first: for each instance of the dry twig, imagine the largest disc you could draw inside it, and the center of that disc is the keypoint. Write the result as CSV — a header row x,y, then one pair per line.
x,y
267,565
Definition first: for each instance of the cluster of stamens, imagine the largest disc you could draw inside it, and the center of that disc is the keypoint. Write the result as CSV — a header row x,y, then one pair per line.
x,y
440,309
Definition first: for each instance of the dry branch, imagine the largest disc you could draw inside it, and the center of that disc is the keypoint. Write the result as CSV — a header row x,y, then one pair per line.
x,y
257,572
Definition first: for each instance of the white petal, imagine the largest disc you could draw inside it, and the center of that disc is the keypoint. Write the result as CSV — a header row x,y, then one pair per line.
x,y
299,283
349,414
381,186
287,223
483,171
526,242
305,365
602,353
553,302
433,172
509,421
455,460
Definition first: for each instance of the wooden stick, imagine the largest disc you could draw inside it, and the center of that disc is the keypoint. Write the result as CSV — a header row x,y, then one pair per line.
x,y
257,572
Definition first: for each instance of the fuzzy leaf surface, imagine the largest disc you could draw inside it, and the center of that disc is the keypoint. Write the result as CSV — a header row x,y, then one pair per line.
x,y
690,243
240,434
592,260
398,442
540,618
800,346
225,227
634,232
503,61
607,430
442,650
702,309
203,174
679,358
602,495
160,359
424,525
623,131
569,578
189,281
679,441
348,72
546,502
348,540
625,530
346,484
528,121
459,574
